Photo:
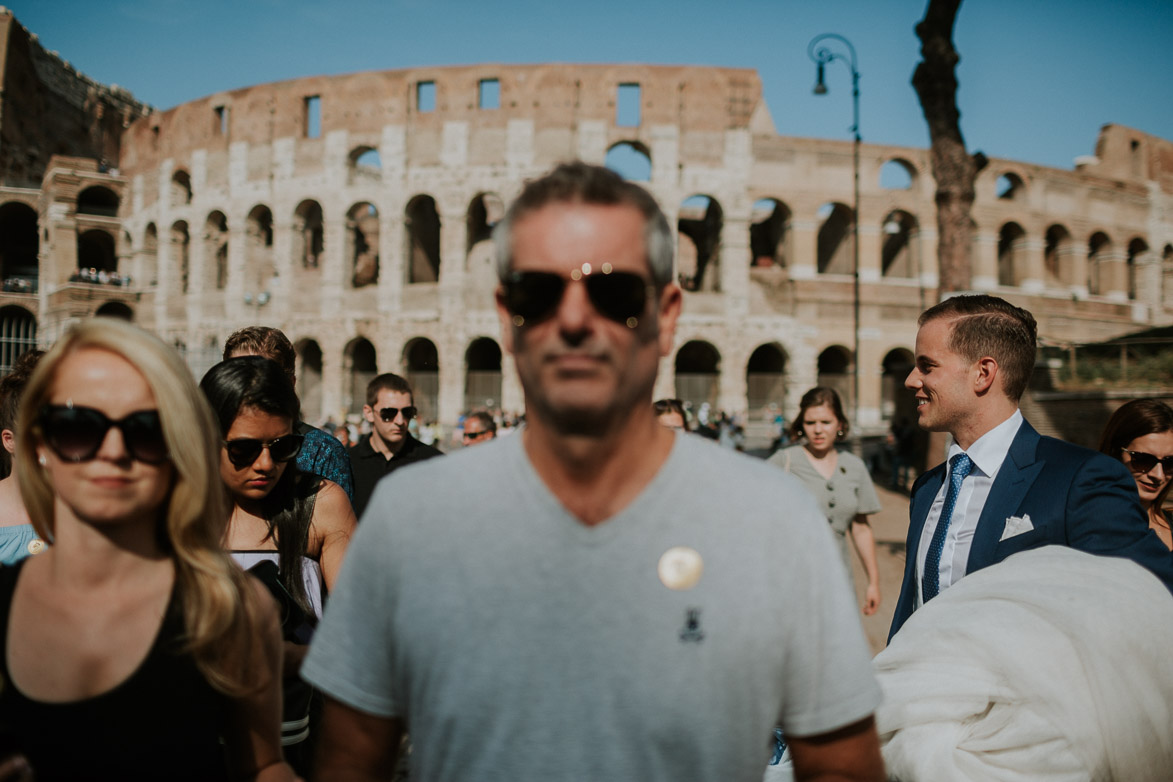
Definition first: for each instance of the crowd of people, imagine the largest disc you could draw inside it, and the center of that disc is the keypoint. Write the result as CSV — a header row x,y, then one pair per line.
x,y
99,277
198,585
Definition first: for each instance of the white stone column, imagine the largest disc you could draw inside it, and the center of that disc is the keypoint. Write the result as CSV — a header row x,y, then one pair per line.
x,y
804,240
985,262
1032,276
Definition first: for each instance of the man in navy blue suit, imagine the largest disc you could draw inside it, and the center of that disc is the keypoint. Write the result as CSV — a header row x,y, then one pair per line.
x,y
1003,488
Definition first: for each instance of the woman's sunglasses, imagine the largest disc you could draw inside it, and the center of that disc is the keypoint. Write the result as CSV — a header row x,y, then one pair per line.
x,y
76,433
1143,462
246,450
535,296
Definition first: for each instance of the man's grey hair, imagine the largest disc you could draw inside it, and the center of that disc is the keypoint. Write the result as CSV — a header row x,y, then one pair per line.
x,y
583,183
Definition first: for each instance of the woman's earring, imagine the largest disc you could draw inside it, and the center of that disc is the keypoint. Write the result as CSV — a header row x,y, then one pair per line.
x,y
43,460
839,433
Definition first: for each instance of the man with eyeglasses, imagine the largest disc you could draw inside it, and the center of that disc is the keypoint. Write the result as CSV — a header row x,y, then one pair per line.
x,y
572,602
389,409
479,427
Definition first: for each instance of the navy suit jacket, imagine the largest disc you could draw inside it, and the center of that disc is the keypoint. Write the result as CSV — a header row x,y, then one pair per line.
x,y
1074,497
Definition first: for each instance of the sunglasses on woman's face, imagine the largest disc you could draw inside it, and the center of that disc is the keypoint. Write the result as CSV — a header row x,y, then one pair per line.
x,y
76,433
243,451
1143,462
535,296
389,414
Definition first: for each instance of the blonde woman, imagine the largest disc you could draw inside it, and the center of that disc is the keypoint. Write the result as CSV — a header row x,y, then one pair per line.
x,y
133,647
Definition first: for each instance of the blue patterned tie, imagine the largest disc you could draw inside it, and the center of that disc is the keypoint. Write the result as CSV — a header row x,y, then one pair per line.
x,y
959,467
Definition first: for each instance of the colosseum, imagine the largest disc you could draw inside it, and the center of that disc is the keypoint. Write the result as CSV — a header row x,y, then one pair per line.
x,y
354,213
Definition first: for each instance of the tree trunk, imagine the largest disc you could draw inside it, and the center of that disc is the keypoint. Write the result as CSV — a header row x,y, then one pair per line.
x,y
935,81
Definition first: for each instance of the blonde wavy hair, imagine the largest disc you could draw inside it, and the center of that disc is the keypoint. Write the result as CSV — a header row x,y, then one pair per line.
x,y
219,621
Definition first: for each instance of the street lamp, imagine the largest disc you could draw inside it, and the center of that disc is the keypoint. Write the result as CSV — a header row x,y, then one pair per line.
x,y
821,54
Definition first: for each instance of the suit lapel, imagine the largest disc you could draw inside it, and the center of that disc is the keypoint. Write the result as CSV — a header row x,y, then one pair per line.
x,y
1015,477
922,500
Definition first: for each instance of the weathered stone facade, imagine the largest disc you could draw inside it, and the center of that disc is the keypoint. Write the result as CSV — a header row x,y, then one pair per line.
x,y
354,212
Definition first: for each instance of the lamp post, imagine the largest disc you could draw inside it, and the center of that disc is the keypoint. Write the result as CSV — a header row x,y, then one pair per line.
x,y
821,54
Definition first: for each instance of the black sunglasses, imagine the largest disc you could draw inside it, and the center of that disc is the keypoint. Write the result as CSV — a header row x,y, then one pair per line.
x,y
1143,462
77,433
618,296
476,435
246,450
388,414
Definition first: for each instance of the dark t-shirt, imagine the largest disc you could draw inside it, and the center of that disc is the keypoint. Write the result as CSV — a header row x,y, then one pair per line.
x,y
370,466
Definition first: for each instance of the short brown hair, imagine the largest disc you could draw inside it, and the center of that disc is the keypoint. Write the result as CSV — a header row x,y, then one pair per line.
x,y
267,342
989,326
387,382
818,397
12,386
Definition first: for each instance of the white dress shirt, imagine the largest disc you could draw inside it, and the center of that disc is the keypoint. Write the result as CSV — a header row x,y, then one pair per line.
x,y
987,454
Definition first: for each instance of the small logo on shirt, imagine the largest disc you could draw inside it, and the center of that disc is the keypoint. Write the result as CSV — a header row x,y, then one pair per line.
x,y
692,626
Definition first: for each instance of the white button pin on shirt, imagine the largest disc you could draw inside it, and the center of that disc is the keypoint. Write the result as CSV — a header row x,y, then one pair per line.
x,y
680,568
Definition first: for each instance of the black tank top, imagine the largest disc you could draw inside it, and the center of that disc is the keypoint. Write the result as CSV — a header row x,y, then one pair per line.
x,y
163,722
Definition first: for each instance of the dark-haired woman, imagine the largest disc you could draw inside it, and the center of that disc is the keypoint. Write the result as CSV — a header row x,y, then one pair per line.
x,y
837,479
1140,434
280,516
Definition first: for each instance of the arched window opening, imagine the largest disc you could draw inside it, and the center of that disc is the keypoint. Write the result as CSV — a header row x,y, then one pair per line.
x,y
365,165
769,233
835,371
898,250
259,265
423,240
1011,254
180,188
630,160
361,368
422,370
19,246
180,254
96,260
1167,276
699,260
97,200
765,382
150,254
1057,249
115,309
309,378
835,239
1136,249
482,384
485,211
896,403
362,243
897,174
309,237
1009,186
697,374
216,251
1099,250
18,334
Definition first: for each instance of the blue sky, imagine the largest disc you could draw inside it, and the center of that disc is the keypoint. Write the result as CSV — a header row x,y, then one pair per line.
x,y
1038,77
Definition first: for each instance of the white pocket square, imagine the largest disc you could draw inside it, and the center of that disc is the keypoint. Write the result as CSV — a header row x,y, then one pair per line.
x,y
1016,525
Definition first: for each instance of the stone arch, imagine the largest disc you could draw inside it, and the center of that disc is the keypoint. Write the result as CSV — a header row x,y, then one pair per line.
x,y
1167,276
364,165
899,250
98,200
1058,247
95,252
701,219
765,381
1011,253
362,243
19,246
421,362
769,233
18,334
423,240
309,377
259,266
698,373
1099,251
115,309
835,254
898,174
631,160
181,253
482,380
835,367
361,365
484,212
308,234
1136,248
149,253
180,194
216,251
896,403
1009,186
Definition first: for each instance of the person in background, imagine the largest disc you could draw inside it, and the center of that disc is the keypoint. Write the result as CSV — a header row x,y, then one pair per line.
x,y
479,427
342,435
18,539
132,647
838,480
670,413
321,454
1140,434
